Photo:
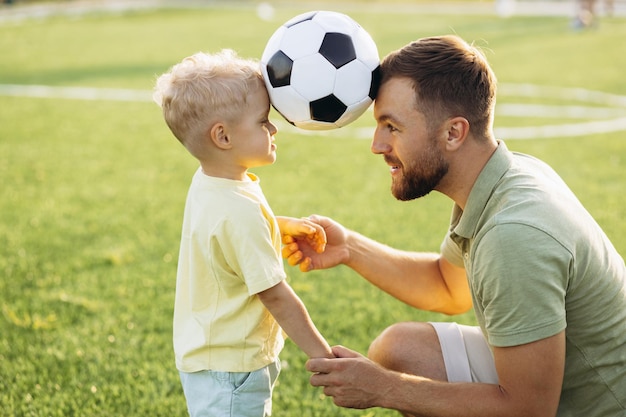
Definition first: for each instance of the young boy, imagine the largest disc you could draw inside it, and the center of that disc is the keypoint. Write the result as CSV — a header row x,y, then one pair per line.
x,y
231,295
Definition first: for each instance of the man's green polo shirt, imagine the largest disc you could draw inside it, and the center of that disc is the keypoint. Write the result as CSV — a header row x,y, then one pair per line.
x,y
537,263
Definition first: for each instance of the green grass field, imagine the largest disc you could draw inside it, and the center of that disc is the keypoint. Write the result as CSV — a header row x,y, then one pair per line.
x,y
93,191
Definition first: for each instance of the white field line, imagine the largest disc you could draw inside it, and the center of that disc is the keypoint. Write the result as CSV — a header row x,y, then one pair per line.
x,y
78,93
558,111
565,130
574,94
610,118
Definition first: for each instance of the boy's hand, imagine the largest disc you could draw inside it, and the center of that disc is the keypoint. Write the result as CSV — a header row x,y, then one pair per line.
x,y
336,249
293,230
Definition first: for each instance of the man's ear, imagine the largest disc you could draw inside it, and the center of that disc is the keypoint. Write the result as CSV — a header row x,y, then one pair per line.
x,y
219,136
458,131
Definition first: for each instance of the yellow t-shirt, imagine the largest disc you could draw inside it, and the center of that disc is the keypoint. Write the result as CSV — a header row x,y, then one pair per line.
x,y
230,251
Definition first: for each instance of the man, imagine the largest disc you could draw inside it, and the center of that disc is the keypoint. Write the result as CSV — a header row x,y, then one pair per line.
x,y
547,286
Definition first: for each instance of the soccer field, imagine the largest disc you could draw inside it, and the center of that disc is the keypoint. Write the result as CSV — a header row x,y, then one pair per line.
x,y
93,187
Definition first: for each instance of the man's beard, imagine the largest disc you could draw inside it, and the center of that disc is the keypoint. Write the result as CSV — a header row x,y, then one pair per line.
x,y
421,177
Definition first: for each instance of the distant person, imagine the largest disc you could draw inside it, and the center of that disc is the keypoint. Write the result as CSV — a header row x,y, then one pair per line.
x,y
231,295
587,13
547,286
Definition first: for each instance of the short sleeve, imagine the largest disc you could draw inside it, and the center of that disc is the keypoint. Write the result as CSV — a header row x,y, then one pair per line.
x,y
519,276
451,251
250,247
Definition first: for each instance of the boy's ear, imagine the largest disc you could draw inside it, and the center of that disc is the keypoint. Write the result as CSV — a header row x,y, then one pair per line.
x,y
458,130
219,137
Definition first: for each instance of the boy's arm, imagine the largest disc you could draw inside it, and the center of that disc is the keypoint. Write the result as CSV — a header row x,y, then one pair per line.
x,y
290,312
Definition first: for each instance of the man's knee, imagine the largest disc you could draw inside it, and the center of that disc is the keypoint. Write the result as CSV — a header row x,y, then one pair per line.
x,y
390,344
409,347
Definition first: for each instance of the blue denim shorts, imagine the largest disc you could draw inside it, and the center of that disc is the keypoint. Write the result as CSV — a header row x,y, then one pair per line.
x,y
230,394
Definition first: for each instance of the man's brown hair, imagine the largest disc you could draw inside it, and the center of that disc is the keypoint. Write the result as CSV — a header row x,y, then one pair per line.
x,y
450,77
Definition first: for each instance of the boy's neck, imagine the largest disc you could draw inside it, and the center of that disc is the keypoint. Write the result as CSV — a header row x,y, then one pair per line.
x,y
230,173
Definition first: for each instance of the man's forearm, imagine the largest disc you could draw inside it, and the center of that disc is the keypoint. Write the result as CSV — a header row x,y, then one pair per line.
x,y
412,277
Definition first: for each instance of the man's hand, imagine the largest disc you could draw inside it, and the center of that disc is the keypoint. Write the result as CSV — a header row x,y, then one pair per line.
x,y
352,380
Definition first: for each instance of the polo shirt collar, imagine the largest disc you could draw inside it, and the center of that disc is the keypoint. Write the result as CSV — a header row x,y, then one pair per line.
x,y
465,222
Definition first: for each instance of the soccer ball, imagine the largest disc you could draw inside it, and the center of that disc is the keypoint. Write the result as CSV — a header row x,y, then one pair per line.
x,y
321,70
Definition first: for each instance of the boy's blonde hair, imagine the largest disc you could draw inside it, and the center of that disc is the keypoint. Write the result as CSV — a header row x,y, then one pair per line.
x,y
203,89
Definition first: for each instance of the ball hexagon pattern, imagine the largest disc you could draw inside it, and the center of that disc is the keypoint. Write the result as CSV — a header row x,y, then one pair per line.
x,y
321,70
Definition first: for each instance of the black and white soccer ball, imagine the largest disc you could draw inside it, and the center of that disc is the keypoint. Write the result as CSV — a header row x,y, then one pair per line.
x,y
321,70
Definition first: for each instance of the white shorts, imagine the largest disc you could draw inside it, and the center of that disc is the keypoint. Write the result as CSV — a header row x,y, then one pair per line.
x,y
466,353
